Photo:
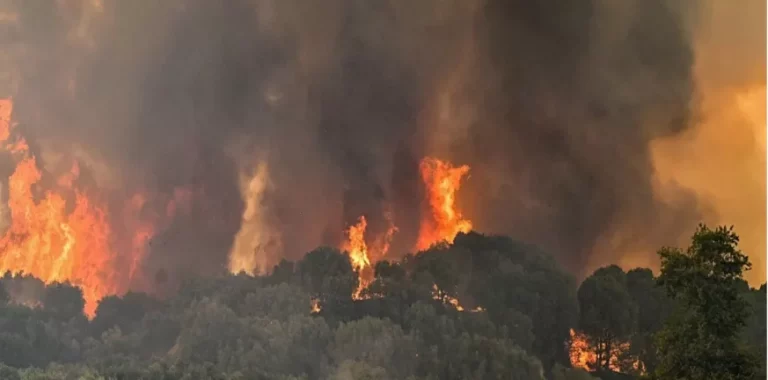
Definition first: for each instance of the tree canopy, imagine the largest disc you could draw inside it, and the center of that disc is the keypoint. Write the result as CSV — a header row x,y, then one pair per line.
x,y
484,307
701,339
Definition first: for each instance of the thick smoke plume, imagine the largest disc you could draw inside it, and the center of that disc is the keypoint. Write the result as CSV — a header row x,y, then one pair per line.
x,y
282,122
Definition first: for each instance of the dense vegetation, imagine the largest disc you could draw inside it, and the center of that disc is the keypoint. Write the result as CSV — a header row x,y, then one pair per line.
x,y
518,309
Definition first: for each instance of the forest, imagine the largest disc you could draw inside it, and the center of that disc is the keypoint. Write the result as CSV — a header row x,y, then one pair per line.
x,y
483,307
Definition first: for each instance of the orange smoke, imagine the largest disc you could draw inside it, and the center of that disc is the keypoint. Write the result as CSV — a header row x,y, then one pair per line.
x,y
44,238
442,222
144,222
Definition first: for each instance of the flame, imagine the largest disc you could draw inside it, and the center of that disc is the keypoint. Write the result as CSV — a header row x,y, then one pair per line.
x,y
380,247
143,223
64,234
358,254
255,244
447,299
46,240
358,250
361,256
582,354
443,221
315,306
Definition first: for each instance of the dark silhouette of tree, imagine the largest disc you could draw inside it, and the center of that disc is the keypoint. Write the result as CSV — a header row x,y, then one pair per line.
x,y
607,313
653,307
63,300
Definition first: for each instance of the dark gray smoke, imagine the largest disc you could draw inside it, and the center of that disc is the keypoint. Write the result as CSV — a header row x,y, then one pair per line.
x,y
582,88
557,102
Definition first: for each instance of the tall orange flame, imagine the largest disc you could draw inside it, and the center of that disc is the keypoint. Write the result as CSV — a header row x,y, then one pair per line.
x,y
358,254
362,256
46,240
64,234
358,250
443,221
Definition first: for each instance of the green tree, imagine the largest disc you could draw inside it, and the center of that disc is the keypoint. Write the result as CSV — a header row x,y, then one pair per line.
x,y
64,300
350,369
754,334
653,307
607,313
562,373
9,373
124,311
327,275
700,340
380,344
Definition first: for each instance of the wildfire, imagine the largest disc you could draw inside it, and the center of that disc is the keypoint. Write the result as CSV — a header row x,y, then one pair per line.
x,y
443,222
358,254
439,295
64,234
46,240
583,355
361,256
255,243
358,250
315,307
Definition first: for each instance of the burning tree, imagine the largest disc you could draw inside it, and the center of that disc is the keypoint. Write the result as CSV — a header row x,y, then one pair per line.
x,y
607,317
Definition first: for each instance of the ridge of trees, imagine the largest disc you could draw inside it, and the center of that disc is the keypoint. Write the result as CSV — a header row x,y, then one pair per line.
x,y
518,311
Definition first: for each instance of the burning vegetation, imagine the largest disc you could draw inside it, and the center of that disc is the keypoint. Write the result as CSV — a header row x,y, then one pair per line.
x,y
169,169
441,223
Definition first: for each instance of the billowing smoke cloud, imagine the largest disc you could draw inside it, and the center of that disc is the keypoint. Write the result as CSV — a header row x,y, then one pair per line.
x,y
555,105
722,156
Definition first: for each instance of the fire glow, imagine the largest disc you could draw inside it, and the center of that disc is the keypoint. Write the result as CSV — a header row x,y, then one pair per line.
x,y
43,238
361,256
441,223
69,234
47,240
583,355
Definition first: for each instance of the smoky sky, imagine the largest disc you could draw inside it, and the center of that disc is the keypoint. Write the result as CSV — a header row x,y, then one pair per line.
x,y
564,97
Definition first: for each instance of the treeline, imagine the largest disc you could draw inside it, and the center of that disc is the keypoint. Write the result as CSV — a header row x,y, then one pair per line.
x,y
484,307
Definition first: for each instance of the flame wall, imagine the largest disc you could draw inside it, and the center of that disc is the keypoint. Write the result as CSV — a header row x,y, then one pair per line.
x,y
280,123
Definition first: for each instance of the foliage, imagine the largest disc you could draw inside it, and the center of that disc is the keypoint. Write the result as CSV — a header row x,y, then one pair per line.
x,y
564,373
484,307
607,313
700,341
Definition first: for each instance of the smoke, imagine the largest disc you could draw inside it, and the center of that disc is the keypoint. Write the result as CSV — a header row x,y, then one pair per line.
x,y
722,157
255,246
580,89
569,113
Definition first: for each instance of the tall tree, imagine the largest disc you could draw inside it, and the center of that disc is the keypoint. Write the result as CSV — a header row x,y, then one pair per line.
x,y
607,313
653,307
700,340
